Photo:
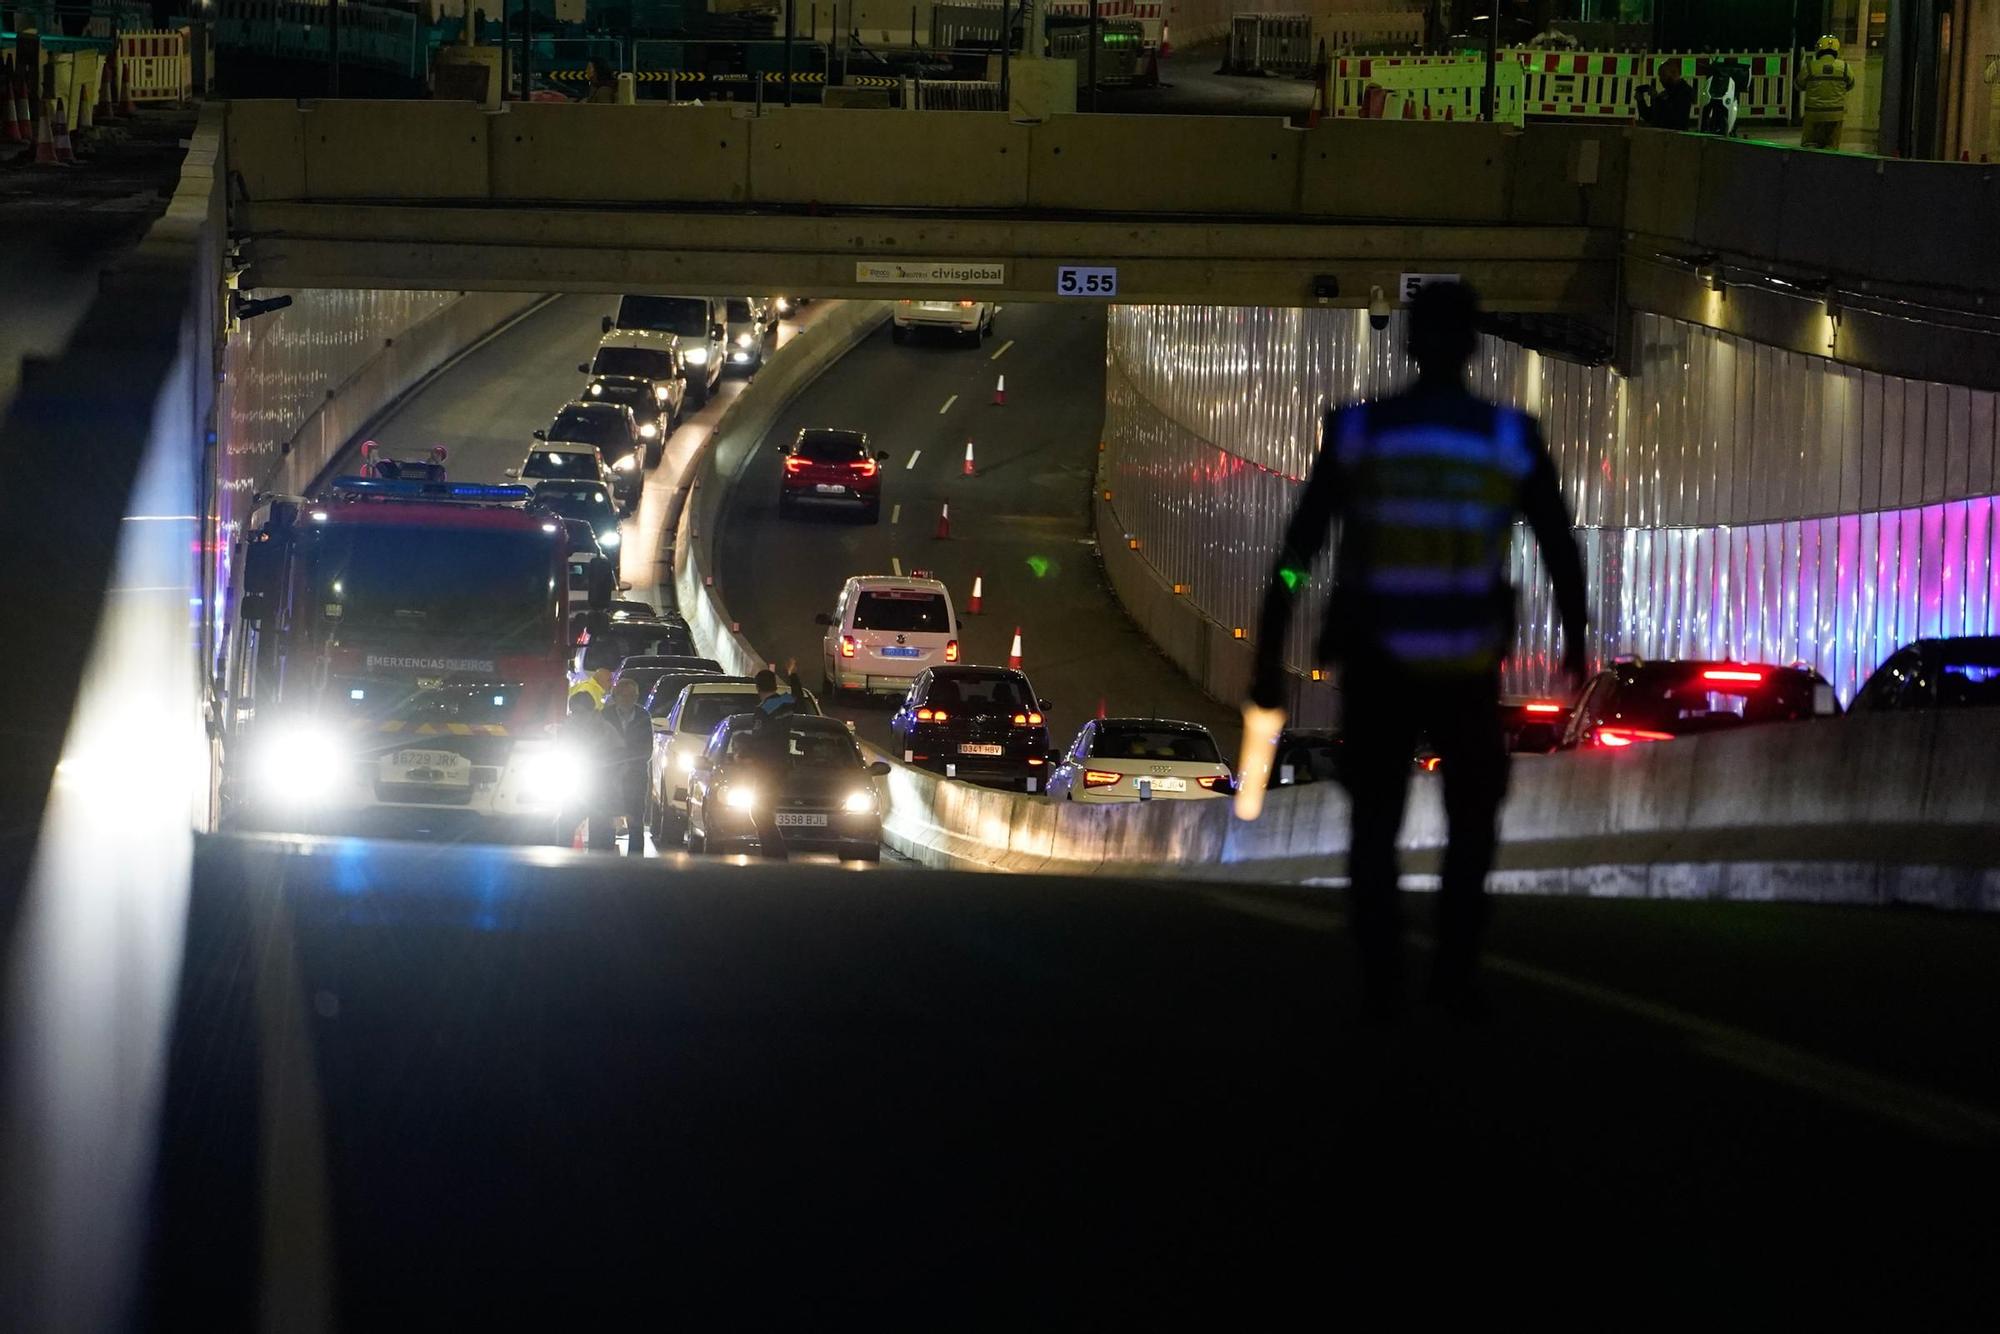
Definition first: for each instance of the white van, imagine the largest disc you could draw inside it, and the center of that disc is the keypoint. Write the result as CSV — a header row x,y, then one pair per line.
x,y
884,631
696,324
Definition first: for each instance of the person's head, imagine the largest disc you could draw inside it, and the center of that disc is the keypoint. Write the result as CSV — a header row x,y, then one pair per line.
x,y
767,683
1443,332
602,676
625,694
581,703
1829,45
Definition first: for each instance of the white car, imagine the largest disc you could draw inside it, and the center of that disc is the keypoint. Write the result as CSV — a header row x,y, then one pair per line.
x,y
967,319
1140,759
883,632
681,736
747,327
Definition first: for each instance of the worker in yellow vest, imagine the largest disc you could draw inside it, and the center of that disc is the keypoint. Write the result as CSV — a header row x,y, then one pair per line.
x,y
1823,86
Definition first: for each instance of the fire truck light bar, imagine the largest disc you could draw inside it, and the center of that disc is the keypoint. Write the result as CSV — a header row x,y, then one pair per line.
x,y
384,489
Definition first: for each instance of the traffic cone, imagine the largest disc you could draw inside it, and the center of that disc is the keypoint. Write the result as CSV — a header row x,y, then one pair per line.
x,y
970,471
105,110
64,152
45,145
126,106
972,608
1166,41
944,520
1014,653
1000,392
16,111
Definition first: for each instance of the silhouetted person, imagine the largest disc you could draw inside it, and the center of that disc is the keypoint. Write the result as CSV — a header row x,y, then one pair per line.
x,y
595,750
631,729
1671,105
1426,486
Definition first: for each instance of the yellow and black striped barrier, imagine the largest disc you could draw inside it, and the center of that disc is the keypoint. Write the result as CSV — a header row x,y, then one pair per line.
x,y
699,76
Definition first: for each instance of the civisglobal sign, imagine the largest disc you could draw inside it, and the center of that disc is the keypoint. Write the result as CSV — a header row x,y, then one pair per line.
x,y
952,273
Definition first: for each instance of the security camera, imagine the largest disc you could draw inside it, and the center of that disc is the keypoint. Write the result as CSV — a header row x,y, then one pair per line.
x,y
1378,310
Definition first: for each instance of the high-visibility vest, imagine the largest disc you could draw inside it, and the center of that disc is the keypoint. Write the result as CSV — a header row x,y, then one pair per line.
x,y
1425,531
1825,83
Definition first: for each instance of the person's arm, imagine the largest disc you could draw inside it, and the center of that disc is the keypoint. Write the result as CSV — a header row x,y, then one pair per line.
x,y
792,679
1549,518
1305,538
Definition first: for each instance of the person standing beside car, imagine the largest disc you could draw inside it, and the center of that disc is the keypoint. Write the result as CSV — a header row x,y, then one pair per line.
x,y
631,729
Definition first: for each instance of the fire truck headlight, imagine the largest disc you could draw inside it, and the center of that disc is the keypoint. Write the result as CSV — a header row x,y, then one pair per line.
x,y
549,776
299,763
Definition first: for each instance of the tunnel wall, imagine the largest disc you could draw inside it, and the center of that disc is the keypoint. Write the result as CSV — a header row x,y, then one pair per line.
x,y
1732,499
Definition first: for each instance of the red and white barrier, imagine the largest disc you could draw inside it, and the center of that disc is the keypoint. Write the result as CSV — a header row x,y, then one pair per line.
x,y
155,67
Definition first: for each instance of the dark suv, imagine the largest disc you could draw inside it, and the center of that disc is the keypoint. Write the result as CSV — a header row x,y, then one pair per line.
x,y
1632,702
827,467
985,724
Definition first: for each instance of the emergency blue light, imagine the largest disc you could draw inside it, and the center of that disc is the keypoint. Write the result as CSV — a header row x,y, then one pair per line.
x,y
383,488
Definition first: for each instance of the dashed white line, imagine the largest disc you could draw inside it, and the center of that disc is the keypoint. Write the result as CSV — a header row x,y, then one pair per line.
x,y
896,567
1002,351
895,514
915,454
947,405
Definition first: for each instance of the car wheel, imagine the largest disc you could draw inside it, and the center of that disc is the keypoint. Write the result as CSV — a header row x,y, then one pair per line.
x,y
656,823
657,449
898,334
693,842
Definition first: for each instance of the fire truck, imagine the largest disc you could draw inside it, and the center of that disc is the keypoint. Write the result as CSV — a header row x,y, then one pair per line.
x,y
400,664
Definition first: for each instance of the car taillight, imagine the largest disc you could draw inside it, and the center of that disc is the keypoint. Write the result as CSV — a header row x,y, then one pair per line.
x,y
1429,764
951,651
795,463
1212,780
1100,778
1731,674
1027,720
1626,736
933,716
965,305
1542,706
847,646
866,467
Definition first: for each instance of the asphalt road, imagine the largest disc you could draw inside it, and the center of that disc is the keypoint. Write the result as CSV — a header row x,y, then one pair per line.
x,y
550,1093
1023,521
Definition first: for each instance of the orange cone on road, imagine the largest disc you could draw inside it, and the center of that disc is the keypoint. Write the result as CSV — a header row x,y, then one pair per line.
x,y
944,520
126,106
970,471
1000,391
972,608
45,145
64,152
1014,653
16,112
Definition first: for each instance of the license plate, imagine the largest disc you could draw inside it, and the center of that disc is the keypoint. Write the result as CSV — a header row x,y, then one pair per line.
x,y
831,489
800,820
980,748
1162,784
901,651
428,759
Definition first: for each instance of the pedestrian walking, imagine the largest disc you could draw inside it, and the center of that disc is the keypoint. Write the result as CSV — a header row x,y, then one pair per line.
x,y
1426,486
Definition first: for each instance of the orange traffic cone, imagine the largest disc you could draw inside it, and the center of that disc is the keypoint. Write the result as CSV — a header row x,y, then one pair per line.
x,y
970,471
64,152
972,608
1014,653
45,145
126,106
16,112
1000,392
944,520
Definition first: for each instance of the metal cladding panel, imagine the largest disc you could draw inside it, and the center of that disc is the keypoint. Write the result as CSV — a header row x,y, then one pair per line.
x,y
1732,499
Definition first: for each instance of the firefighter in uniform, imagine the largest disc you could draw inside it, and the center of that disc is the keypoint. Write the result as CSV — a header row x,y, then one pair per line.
x,y
1426,486
1823,86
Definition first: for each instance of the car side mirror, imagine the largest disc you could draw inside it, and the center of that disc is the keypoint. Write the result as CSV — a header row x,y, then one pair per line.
x,y
879,769
511,473
253,608
882,457
1048,705
1825,703
541,434
606,324
715,331
823,619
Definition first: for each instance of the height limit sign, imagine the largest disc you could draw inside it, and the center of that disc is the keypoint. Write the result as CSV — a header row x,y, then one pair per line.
x,y
1413,281
1074,281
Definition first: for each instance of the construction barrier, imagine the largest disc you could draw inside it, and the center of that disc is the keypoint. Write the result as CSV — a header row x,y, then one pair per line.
x,y
155,66
1271,44
1443,92
952,95
1562,85
705,79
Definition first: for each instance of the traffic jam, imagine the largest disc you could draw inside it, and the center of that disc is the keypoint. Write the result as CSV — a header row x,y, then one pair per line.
x,y
417,655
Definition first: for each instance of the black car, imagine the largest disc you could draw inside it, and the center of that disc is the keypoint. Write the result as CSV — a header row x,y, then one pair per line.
x,y
648,380
608,642
614,431
1303,755
793,783
1633,702
587,503
1959,673
985,724
649,670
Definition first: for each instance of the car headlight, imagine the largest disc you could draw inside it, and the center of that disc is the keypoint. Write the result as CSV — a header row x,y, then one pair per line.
x,y
548,775
661,393
647,430
784,305
685,762
744,340
740,798
697,356
596,389
859,803
608,540
627,463
298,763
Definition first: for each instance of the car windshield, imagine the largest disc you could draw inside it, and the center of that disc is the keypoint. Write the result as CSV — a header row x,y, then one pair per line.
x,y
831,446
739,310
645,363
665,314
1683,700
590,426
1125,741
613,644
902,610
980,694
808,748
560,463
704,710
393,582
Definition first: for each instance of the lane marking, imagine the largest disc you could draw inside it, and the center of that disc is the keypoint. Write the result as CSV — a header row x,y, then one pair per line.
x,y
1003,350
915,454
896,567
947,405
895,514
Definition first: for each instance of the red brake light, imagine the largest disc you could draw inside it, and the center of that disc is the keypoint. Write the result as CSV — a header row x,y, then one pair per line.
x,y
1542,706
794,463
1100,778
1430,763
1731,674
866,467
847,646
1626,736
1212,780
951,651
